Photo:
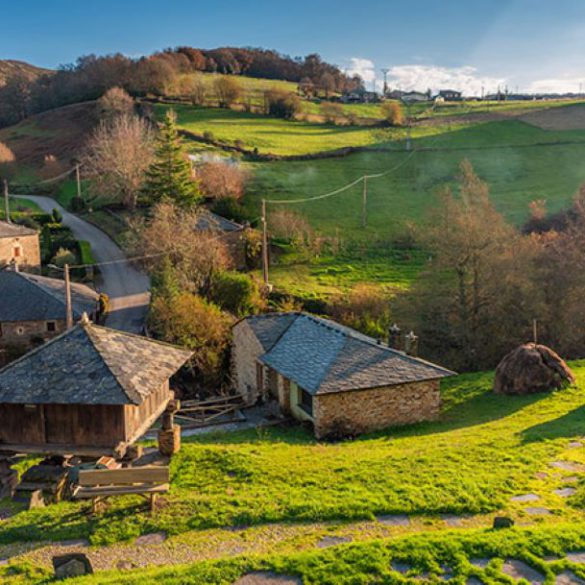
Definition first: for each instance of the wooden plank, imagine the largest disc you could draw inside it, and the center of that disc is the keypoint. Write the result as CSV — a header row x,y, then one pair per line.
x,y
151,474
51,449
84,493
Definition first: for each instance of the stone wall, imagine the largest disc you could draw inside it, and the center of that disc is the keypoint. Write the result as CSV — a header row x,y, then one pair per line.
x,y
363,411
30,251
246,350
28,333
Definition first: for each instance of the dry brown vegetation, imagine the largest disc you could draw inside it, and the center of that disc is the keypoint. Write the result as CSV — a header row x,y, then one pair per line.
x,y
218,180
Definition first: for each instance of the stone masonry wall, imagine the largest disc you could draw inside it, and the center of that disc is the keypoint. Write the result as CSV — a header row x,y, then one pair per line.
x,y
246,350
30,255
363,411
24,333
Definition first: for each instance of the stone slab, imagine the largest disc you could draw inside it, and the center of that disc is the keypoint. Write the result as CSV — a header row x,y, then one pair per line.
x,y
568,578
525,498
567,466
152,538
400,567
266,578
576,557
520,570
479,563
453,519
575,444
570,479
328,541
537,511
566,492
394,520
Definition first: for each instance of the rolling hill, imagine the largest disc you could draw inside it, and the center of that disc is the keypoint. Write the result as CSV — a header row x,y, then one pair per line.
x,y
10,67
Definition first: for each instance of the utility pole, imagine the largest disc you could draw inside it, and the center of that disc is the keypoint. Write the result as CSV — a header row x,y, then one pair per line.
x,y
68,309
264,244
365,203
385,72
6,200
78,179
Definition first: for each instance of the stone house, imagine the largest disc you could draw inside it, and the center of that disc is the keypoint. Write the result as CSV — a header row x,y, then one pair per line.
x,y
339,380
90,391
231,233
33,308
19,245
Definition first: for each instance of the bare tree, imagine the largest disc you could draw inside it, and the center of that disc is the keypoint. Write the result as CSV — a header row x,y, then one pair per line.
x,y
115,102
219,180
118,154
228,91
392,113
170,237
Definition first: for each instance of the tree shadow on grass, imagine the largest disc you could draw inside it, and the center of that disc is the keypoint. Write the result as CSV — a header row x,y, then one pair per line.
x,y
567,426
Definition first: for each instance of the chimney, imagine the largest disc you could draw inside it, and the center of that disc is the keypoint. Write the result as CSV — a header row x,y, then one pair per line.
x,y
411,344
395,337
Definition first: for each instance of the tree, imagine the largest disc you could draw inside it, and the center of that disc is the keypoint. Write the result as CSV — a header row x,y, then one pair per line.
x,y
227,90
332,112
392,113
117,156
190,321
115,102
193,87
282,104
478,296
169,238
170,175
7,160
219,180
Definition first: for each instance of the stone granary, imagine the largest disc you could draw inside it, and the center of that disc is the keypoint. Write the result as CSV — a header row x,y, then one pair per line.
x,y
19,245
532,368
90,391
341,381
33,308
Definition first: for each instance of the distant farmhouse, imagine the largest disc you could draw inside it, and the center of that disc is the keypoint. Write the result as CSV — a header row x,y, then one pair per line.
x,y
450,95
230,232
33,308
90,391
19,245
332,376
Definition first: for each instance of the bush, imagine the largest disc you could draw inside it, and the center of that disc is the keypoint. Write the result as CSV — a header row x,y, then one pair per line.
x,y
62,257
230,208
236,293
332,112
392,113
77,204
56,216
219,180
282,104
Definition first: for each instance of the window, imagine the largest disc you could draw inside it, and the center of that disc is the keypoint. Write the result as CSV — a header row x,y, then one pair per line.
x,y
306,401
20,331
51,326
17,252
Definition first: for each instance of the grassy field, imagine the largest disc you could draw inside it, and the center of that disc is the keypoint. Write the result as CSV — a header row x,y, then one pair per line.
x,y
484,450
520,162
428,557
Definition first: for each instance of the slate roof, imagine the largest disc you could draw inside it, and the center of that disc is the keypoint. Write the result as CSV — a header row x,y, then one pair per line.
x,y
209,221
29,297
91,365
324,357
13,230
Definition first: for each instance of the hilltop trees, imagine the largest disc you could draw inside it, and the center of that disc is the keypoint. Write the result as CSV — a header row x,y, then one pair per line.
x,y
170,175
117,156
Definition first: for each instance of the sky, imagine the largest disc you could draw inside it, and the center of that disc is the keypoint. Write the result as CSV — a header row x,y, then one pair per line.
x,y
525,45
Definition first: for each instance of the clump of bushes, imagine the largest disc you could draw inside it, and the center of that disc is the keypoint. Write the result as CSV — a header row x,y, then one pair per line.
x,y
236,293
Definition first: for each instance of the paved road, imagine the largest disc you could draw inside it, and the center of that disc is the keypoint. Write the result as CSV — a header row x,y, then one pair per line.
x,y
127,287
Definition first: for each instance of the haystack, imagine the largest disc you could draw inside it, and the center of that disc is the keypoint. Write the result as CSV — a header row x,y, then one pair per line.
x,y
532,368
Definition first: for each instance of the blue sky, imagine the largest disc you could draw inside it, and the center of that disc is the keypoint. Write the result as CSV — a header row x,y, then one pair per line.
x,y
529,44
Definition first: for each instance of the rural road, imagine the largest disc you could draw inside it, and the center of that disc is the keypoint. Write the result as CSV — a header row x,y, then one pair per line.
x,y
127,287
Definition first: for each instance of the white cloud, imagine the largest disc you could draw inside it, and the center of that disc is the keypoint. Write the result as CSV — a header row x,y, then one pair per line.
x,y
558,85
362,67
423,77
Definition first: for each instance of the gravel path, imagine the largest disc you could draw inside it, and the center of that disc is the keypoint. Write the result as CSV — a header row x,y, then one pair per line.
x,y
127,287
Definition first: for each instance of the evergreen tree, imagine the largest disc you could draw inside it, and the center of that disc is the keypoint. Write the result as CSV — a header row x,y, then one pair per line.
x,y
170,176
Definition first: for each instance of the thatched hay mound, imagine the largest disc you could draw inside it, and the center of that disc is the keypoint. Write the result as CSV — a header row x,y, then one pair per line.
x,y
532,368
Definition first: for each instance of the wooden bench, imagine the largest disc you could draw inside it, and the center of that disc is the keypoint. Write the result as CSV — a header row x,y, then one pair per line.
x,y
99,484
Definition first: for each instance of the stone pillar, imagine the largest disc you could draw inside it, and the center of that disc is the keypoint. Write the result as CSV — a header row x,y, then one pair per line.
x,y
411,344
169,441
395,337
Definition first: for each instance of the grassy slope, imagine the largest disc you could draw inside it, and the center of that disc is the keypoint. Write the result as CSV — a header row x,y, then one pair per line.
x,y
520,162
485,449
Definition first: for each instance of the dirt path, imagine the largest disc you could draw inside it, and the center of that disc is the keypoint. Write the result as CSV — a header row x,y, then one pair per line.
x,y
127,287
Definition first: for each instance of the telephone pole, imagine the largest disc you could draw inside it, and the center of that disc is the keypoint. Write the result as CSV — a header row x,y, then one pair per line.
x,y
385,73
68,308
78,179
365,203
264,244
6,201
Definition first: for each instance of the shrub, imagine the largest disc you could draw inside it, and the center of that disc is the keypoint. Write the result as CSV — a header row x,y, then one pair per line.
x,y
231,208
222,179
281,104
392,112
332,112
62,257
77,204
228,91
56,216
236,293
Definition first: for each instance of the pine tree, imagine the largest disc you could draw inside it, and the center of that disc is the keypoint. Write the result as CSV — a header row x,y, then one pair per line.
x,y
170,176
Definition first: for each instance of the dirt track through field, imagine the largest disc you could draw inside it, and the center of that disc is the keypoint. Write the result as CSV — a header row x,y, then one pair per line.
x,y
557,119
